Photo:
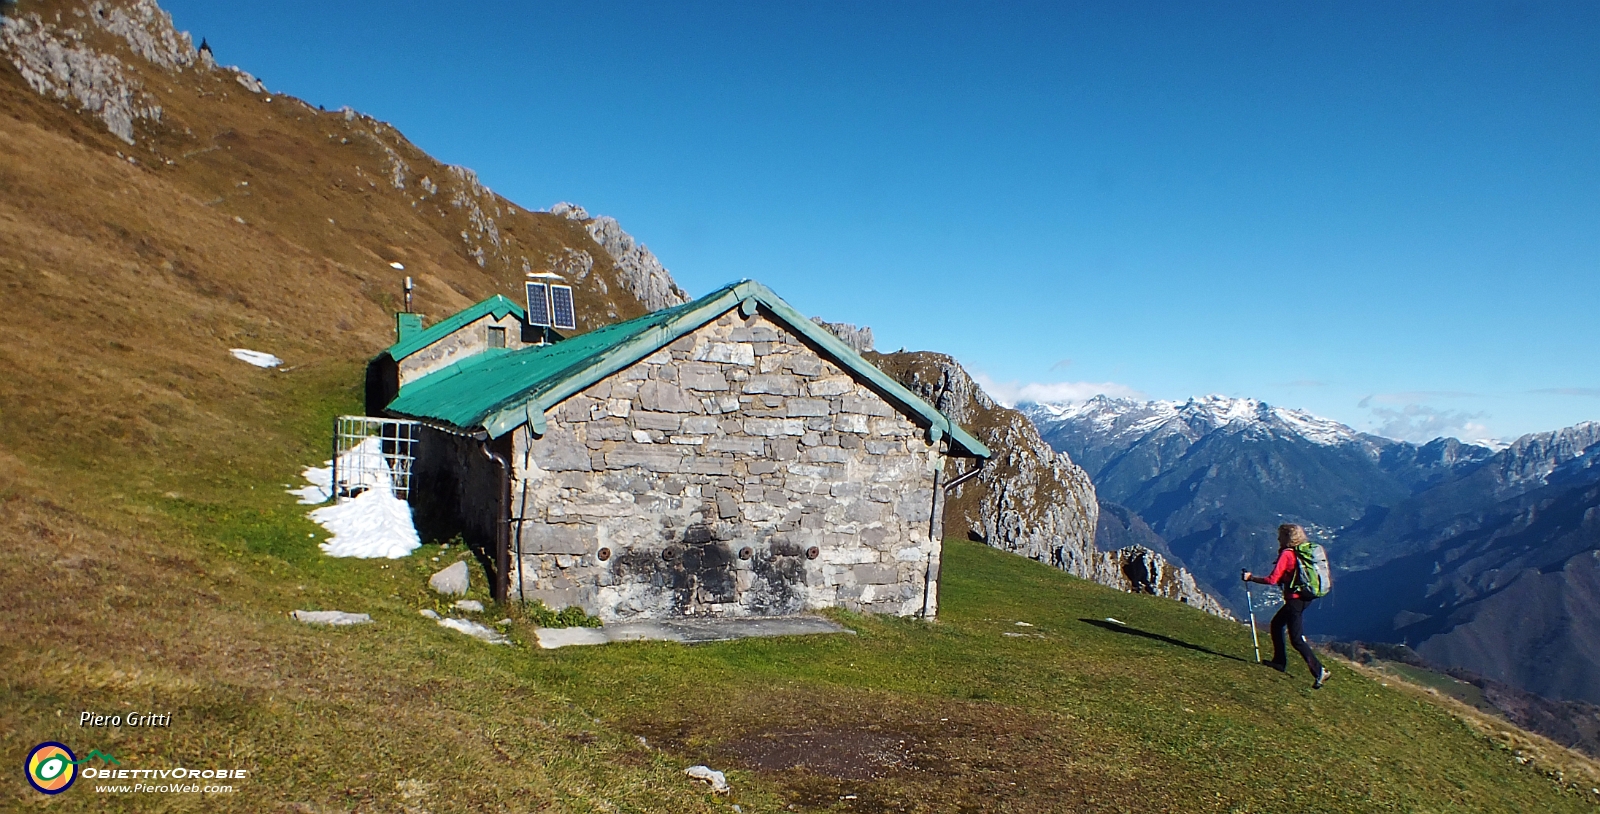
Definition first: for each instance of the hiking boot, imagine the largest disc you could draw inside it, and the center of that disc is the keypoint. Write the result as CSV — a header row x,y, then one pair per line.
x,y
1322,678
1277,665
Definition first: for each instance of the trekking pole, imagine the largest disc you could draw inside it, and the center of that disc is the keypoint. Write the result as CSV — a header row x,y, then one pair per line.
x,y
1254,637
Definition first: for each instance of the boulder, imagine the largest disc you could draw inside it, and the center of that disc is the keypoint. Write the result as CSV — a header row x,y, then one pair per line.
x,y
452,581
706,774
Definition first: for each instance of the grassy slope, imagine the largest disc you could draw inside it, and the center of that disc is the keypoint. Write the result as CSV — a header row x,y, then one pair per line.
x,y
172,596
150,558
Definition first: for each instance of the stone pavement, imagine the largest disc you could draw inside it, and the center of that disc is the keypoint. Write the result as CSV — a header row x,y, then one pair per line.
x,y
688,630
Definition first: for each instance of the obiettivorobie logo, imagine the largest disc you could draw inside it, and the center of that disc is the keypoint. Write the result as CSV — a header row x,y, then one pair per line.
x,y
52,768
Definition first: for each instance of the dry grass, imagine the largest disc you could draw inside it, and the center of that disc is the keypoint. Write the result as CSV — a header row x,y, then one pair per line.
x,y
1561,764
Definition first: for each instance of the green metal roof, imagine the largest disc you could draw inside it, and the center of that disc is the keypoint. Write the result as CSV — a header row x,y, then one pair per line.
x,y
499,390
496,306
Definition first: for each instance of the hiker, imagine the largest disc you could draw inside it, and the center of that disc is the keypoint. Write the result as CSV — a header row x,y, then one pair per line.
x,y
1296,598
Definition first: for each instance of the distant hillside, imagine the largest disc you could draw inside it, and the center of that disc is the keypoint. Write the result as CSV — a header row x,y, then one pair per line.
x,y
169,209
1214,476
1496,572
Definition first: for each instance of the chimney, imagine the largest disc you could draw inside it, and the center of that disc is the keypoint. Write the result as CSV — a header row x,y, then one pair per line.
x,y
406,326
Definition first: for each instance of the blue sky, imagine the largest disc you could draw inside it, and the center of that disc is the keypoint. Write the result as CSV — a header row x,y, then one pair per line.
x,y
1385,213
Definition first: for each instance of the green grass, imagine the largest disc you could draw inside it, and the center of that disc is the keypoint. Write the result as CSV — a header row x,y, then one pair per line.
x,y
1162,714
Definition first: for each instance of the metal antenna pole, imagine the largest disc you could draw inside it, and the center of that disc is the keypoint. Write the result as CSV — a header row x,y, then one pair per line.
x,y
1254,637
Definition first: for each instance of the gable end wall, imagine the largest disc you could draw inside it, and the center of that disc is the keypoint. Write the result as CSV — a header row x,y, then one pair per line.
x,y
738,437
470,339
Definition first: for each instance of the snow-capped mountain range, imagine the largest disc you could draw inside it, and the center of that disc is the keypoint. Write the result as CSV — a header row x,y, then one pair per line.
x,y
1432,544
1118,419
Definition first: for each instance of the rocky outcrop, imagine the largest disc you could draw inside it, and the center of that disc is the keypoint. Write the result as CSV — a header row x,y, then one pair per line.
x,y
56,61
638,269
859,339
147,29
1139,570
1029,499
482,207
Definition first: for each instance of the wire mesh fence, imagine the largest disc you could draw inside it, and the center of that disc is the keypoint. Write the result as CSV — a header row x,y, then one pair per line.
x,y
373,453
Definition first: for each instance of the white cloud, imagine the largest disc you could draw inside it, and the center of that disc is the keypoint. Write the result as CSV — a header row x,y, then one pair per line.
x,y
1419,423
1012,392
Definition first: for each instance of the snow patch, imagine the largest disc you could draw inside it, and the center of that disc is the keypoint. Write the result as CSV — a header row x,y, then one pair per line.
x,y
320,488
364,466
335,618
373,524
256,357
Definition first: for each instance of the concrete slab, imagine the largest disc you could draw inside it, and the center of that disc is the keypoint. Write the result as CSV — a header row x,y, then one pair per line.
x,y
552,637
689,631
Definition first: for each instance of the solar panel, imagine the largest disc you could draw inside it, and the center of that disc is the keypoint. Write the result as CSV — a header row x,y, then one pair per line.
x,y
539,304
562,311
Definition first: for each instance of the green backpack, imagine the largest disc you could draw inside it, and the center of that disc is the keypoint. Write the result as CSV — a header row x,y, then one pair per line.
x,y
1312,574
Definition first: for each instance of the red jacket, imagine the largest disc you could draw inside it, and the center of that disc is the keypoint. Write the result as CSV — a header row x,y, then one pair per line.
x,y
1284,572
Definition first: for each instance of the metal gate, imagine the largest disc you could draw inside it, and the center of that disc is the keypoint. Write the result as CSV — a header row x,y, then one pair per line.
x,y
373,453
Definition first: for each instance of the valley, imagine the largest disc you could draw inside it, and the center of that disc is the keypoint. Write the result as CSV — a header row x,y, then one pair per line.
x,y
1480,559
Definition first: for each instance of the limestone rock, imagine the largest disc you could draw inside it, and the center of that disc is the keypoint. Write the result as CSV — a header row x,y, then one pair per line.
x,y
451,581
334,618
718,782
570,211
59,59
147,30
859,339
1139,570
56,62
469,605
1029,499
475,630
637,267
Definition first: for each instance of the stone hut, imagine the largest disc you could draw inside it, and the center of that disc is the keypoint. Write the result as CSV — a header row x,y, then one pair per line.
x,y
724,457
492,324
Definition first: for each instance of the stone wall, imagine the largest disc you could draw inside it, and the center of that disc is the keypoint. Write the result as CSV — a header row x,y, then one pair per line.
x,y
735,472
471,339
456,490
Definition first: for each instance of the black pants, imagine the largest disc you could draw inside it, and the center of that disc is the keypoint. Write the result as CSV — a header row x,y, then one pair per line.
x,y
1288,617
